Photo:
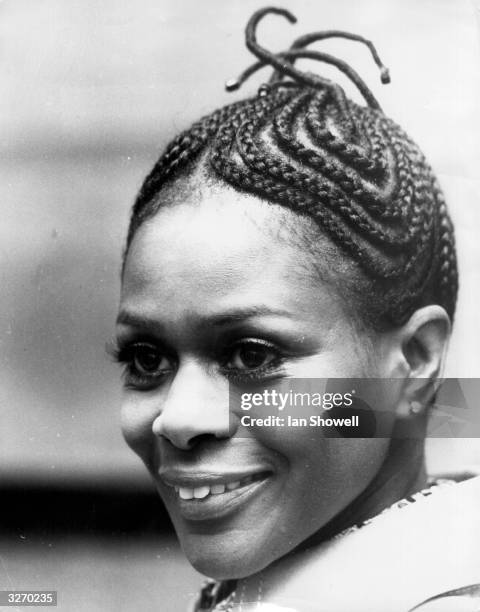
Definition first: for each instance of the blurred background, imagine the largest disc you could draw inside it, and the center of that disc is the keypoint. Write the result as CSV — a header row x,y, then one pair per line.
x,y
91,92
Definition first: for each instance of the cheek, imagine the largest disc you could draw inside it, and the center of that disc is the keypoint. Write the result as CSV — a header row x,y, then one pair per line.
x,y
352,461
344,468
136,422
351,465
332,459
327,474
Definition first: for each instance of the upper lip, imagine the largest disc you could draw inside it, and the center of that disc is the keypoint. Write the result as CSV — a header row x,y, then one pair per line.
x,y
204,477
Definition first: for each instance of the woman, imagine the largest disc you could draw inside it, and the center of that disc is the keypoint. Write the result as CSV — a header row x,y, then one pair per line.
x,y
295,235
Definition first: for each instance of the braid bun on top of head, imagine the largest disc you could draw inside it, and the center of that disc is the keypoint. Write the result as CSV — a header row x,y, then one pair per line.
x,y
302,144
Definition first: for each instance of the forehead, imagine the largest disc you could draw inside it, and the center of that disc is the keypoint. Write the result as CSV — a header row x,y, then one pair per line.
x,y
223,248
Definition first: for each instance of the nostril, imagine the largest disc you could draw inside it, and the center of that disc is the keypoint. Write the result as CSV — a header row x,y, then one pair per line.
x,y
201,439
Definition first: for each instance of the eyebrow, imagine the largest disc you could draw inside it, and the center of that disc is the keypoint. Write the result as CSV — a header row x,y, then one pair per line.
x,y
222,319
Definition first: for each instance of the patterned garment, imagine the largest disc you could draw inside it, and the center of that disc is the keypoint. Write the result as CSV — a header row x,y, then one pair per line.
x,y
465,599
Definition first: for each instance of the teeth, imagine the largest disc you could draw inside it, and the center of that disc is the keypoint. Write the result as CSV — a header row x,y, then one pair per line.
x,y
216,489
201,492
185,493
233,485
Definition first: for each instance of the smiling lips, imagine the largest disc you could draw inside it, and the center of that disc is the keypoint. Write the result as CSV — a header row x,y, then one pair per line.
x,y
187,489
206,495
215,489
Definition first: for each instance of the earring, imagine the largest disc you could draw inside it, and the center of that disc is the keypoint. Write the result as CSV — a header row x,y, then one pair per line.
x,y
415,408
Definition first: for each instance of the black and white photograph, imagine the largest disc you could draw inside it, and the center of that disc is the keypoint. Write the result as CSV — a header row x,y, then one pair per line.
x,y
240,286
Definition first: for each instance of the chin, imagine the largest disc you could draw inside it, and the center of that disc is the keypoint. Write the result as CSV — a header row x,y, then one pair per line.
x,y
226,561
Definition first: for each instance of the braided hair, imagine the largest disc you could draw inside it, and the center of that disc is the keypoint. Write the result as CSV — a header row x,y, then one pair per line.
x,y
346,168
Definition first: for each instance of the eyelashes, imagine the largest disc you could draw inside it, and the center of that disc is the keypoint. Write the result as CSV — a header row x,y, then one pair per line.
x,y
251,359
146,364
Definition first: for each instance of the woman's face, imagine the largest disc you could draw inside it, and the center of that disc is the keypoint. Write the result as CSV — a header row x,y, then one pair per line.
x,y
211,298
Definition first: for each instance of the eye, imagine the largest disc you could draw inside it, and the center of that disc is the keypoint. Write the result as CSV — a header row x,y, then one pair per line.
x,y
148,360
252,355
145,364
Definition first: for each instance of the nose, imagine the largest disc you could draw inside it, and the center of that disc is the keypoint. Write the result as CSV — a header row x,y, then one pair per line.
x,y
196,406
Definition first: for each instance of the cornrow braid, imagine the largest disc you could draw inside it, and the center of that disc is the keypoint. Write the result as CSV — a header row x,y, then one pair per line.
x,y
302,144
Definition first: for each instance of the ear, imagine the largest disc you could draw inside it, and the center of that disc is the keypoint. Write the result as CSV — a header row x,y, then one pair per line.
x,y
423,343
